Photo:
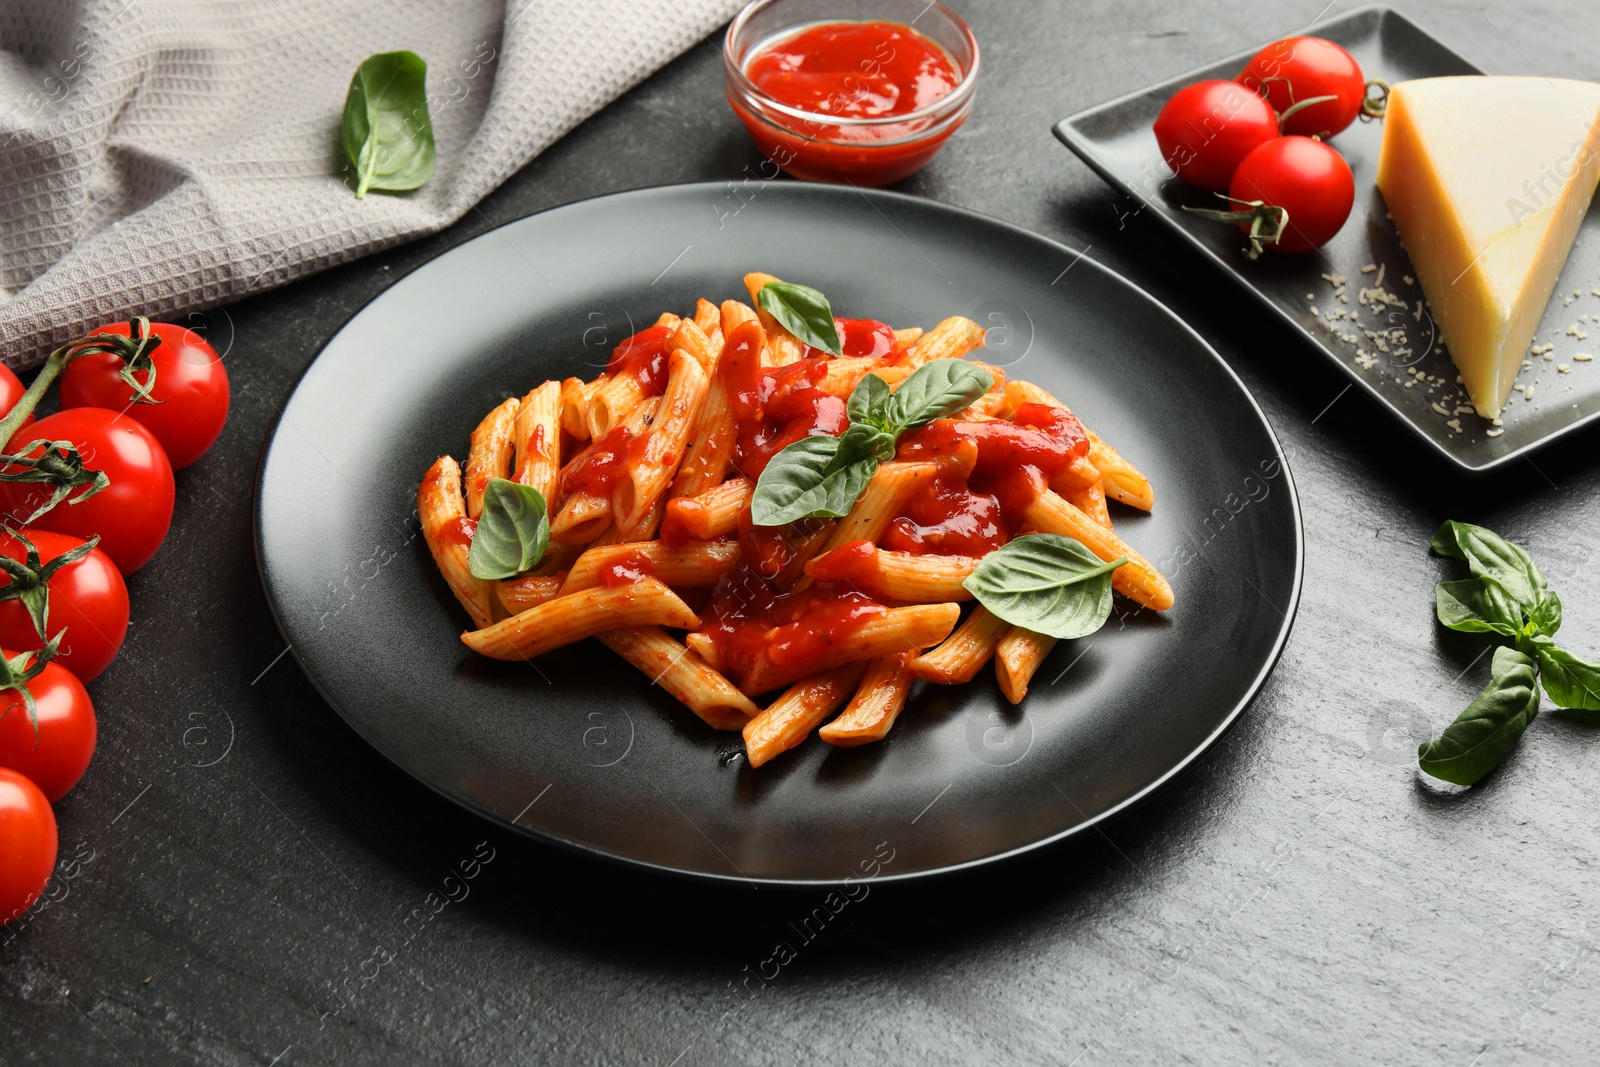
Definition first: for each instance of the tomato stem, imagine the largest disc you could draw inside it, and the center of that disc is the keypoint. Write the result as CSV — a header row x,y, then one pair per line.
x,y
1374,107
134,351
1301,106
1267,221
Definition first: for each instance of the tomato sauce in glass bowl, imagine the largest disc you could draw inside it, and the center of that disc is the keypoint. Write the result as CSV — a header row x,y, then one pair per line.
x,y
865,93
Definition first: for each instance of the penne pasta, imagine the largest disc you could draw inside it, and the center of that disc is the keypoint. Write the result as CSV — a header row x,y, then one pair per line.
x,y
951,339
902,629
612,402
689,337
707,316
646,478
683,674
651,521
969,648
1136,579
493,447
448,534
899,577
586,513
735,314
713,513
710,452
791,718
698,563
582,518
525,591
884,498
1016,657
783,347
877,702
572,617
1092,502
1079,476
575,398
1122,481
538,441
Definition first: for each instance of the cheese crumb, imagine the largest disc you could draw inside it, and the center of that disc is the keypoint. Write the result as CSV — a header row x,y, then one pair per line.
x,y
1527,392
1581,357
1497,421
1454,424
1440,408
1409,280
1369,268
1493,433
1562,367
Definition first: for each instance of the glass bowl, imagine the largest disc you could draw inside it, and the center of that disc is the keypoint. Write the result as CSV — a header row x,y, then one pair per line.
x,y
861,151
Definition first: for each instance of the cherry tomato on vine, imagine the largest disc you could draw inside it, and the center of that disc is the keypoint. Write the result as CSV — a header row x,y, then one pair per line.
x,y
1307,178
132,514
1208,127
88,599
191,385
55,755
1300,68
27,844
11,390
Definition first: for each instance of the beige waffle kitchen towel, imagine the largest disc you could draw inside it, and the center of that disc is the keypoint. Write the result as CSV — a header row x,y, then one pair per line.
x,y
162,156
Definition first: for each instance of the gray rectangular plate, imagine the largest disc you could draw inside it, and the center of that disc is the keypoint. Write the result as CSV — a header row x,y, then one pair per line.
x,y
1116,140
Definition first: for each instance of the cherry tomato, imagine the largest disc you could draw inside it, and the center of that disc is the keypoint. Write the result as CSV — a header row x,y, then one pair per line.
x,y
87,598
1299,68
55,756
190,383
11,391
1208,127
27,844
132,514
1307,178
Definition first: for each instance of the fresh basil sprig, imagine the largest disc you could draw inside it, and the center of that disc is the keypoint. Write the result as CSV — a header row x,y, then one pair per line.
x,y
1479,739
1508,597
1046,583
804,312
387,131
824,476
1571,682
512,533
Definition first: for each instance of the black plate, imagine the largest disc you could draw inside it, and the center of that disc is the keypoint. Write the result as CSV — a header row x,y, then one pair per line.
x,y
1116,140
579,749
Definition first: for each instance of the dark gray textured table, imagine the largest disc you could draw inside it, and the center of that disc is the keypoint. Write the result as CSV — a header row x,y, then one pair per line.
x,y
1300,895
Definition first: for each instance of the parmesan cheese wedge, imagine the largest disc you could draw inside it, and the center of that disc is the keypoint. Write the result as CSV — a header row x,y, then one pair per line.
x,y
1487,180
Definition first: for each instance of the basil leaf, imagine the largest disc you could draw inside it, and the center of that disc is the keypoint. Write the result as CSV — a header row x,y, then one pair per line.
x,y
1571,682
813,477
1479,739
869,401
1046,583
804,312
1474,606
863,441
938,388
1546,614
513,530
387,133
1492,557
